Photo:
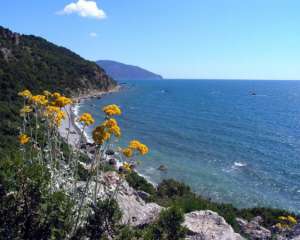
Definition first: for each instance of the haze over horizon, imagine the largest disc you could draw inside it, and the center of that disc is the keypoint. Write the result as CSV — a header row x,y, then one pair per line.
x,y
230,39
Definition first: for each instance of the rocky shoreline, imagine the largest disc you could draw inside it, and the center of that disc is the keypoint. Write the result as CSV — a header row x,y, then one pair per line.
x,y
69,123
202,224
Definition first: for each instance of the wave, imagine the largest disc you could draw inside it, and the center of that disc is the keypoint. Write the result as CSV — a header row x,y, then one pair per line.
x,y
239,164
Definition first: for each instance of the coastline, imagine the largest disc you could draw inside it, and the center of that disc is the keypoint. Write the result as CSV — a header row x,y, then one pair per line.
x,y
75,128
70,125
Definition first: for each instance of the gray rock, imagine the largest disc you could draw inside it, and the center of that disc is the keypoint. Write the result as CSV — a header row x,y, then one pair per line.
x,y
253,229
257,219
208,225
135,211
110,152
112,162
162,168
143,195
296,232
6,53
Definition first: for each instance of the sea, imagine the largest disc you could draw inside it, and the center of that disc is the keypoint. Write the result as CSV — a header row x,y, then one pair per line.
x,y
233,141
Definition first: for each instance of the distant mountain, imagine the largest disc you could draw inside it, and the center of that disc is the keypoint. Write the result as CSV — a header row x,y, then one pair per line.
x,y
121,71
32,62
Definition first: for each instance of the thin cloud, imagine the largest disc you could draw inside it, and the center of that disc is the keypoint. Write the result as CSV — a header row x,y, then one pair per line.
x,y
84,8
93,34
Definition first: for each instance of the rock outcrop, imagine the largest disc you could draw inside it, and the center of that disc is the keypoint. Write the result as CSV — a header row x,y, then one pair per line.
x,y
253,228
208,225
296,232
289,234
136,212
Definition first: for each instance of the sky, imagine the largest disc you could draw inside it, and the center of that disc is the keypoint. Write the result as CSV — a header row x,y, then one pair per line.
x,y
207,39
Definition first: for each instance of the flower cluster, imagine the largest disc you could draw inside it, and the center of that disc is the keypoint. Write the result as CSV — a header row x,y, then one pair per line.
x,y
39,100
136,145
286,222
55,114
86,119
112,127
47,105
42,100
25,94
127,166
47,110
25,109
103,132
23,139
61,101
100,135
128,152
46,93
112,109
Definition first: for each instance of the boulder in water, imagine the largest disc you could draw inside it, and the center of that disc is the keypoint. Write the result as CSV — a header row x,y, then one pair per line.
x,y
162,168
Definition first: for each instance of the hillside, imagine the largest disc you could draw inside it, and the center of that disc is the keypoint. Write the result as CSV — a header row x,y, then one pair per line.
x,y
32,62
121,71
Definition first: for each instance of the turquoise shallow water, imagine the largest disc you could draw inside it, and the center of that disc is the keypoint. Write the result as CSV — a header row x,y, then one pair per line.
x,y
214,135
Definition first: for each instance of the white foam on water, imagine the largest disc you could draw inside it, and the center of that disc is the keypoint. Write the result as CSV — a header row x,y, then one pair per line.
x,y
75,110
239,164
235,166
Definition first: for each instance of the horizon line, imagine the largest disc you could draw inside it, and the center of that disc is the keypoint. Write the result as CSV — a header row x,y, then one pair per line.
x,y
234,79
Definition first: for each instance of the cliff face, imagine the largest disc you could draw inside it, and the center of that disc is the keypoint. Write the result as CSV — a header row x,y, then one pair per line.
x,y
34,63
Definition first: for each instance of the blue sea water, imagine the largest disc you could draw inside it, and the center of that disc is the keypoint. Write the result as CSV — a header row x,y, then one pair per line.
x,y
214,135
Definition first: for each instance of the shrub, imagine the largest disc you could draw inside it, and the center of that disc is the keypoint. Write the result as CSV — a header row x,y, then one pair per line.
x,y
168,226
104,221
139,183
28,209
172,188
173,193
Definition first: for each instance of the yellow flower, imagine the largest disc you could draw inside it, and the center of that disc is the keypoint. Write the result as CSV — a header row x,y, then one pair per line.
x,y
23,139
47,93
127,152
26,109
56,95
62,101
39,100
292,220
86,119
110,123
134,144
51,111
100,135
59,117
278,225
55,114
115,130
112,127
282,218
25,94
127,166
137,145
112,110
143,149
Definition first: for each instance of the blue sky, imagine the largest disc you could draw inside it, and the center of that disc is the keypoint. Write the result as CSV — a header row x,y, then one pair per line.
x,y
243,39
